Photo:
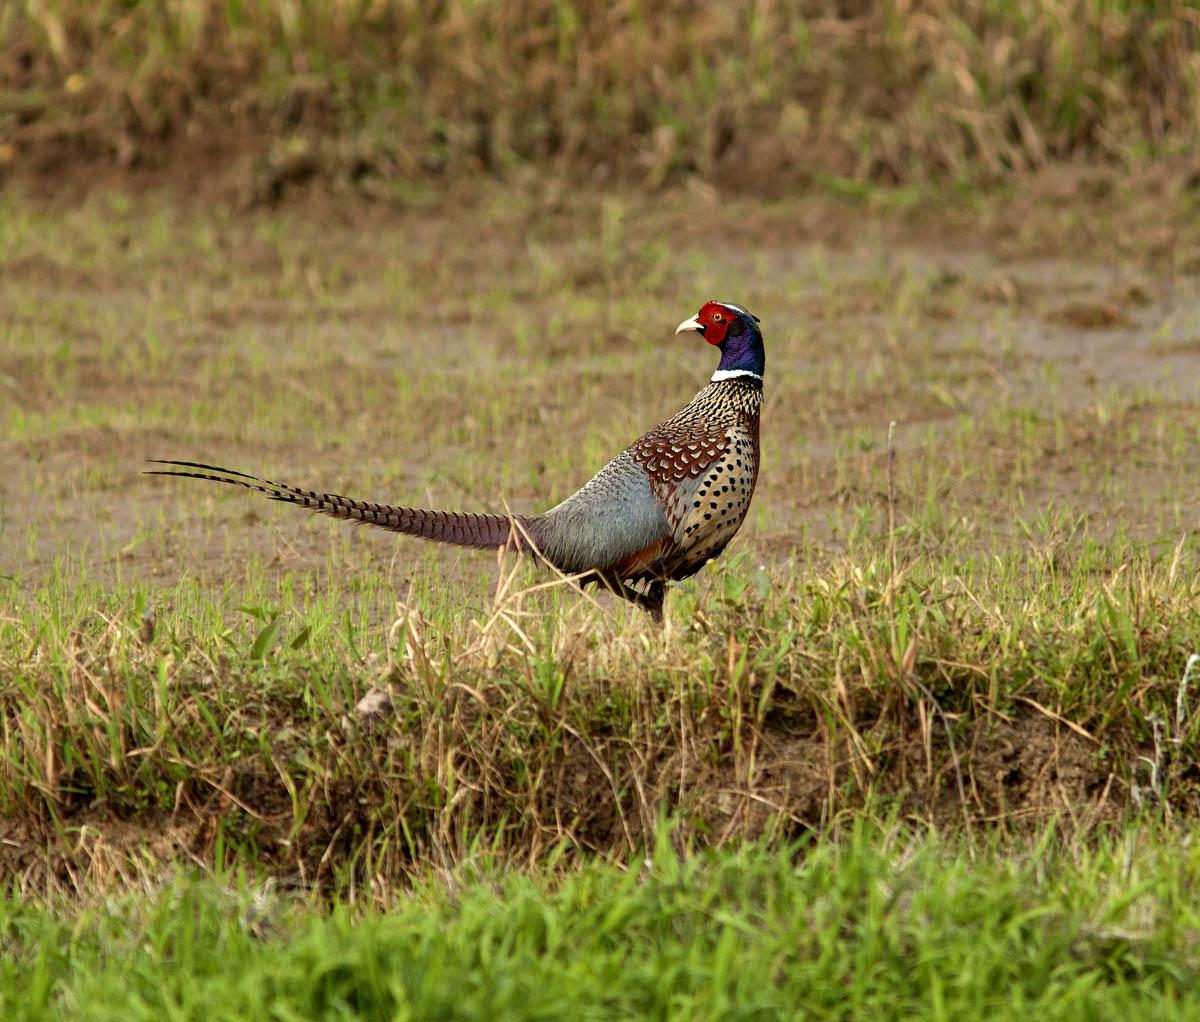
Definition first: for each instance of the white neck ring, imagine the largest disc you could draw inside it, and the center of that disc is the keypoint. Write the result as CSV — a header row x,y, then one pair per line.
x,y
734,374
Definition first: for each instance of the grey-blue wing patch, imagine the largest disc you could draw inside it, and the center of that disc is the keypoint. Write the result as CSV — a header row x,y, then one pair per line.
x,y
611,518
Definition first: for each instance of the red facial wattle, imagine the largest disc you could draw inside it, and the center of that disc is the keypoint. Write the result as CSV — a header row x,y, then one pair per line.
x,y
715,320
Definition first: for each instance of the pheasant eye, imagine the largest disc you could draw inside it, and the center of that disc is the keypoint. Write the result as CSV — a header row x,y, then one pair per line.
x,y
718,318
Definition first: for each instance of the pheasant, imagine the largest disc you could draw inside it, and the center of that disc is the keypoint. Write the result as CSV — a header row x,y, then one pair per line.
x,y
656,513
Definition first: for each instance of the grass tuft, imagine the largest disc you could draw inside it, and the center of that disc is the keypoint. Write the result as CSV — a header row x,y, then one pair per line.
x,y
869,926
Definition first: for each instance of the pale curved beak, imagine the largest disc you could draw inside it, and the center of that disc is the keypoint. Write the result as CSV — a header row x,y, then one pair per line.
x,y
690,324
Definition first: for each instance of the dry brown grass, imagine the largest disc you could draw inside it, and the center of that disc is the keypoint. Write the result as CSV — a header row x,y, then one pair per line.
x,y
751,96
536,733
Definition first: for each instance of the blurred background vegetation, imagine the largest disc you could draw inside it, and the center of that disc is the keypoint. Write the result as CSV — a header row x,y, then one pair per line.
x,y
761,97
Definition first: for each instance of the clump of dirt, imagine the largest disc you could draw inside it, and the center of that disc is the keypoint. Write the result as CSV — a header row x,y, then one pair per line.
x,y
601,794
1089,316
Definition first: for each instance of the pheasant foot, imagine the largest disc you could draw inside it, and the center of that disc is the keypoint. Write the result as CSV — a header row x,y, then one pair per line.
x,y
650,601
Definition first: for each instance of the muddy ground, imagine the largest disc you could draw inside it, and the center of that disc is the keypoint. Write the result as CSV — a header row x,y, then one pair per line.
x,y
869,317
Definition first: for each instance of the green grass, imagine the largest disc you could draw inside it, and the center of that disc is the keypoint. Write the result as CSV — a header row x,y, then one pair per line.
x,y
878,925
780,700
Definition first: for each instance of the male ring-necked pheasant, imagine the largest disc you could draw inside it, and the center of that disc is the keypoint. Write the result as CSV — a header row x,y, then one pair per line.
x,y
655,513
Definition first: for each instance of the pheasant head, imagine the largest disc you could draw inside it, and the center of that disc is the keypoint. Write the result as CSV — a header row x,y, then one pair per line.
x,y
735,332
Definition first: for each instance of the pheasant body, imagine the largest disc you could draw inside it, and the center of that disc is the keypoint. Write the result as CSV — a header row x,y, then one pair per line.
x,y
656,512
669,502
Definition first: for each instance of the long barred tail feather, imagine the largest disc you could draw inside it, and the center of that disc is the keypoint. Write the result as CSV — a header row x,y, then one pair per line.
x,y
462,528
